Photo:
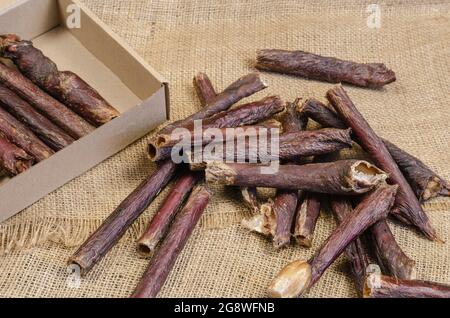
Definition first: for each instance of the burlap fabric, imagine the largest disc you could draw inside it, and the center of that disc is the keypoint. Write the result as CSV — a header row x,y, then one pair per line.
x,y
180,38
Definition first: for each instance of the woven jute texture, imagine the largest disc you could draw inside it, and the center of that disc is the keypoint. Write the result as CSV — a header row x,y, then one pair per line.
x,y
221,259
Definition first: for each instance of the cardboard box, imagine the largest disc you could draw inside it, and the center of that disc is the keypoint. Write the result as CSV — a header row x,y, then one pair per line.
x,y
102,59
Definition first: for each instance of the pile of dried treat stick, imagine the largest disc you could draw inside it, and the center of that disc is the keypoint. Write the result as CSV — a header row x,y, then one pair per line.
x,y
307,175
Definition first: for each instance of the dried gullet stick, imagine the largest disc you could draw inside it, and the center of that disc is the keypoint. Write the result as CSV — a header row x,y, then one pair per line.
x,y
160,147
179,233
323,68
297,277
58,113
348,177
380,286
52,135
204,88
391,258
243,87
291,146
308,212
65,86
355,251
425,183
159,225
407,206
13,160
113,228
21,136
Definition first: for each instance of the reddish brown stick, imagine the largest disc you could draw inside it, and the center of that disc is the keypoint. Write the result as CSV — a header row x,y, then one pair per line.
x,y
323,68
425,183
297,277
355,251
391,258
291,147
21,136
204,88
407,206
52,135
159,225
243,87
164,259
113,228
66,119
13,160
347,177
65,86
160,147
380,286
308,212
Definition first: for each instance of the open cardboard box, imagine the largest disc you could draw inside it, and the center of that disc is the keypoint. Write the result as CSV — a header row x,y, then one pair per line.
x,y
102,59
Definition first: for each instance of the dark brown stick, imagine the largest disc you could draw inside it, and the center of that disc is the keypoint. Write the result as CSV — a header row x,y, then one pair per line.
x,y
204,88
113,228
22,137
159,225
380,286
160,147
407,206
297,277
391,258
164,259
323,68
243,87
13,160
291,147
308,212
425,183
65,86
347,177
355,251
66,119
52,135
